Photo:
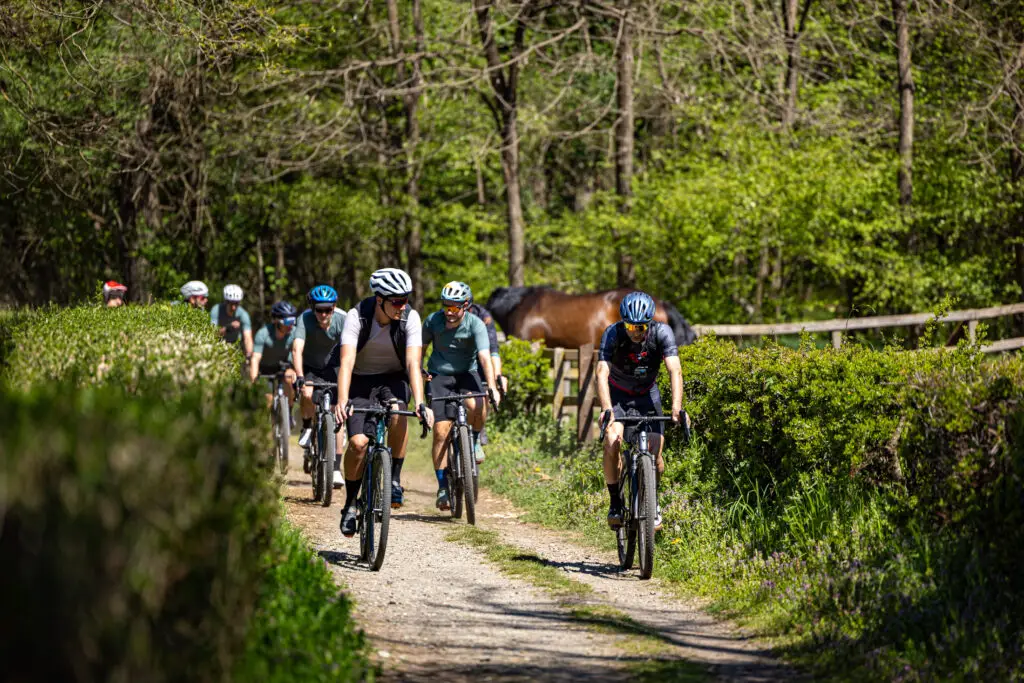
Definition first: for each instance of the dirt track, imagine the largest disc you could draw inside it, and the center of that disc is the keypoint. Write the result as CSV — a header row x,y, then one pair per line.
x,y
438,610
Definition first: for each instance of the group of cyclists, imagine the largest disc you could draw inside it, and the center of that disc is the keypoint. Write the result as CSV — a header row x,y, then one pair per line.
x,y
377,348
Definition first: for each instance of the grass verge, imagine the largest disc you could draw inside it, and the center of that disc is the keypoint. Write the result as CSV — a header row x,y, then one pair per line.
x,y
648,651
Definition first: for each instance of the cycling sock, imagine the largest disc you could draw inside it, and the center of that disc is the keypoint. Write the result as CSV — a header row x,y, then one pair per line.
x,y
476,437
442,483
396,469
307,423
613,491
351,491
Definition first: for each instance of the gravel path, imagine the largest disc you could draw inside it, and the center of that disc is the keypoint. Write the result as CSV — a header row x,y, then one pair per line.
x,y
439,610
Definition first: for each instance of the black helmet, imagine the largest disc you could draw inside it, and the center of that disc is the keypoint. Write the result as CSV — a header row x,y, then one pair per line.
x,y
283,309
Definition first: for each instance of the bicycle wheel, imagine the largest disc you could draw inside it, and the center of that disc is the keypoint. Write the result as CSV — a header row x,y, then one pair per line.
x,y
647,510
283,432
328,443
451,474
314,470
625,535
376,512
466,463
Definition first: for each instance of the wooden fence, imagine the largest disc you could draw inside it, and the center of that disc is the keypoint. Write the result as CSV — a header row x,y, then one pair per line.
x,y
572,370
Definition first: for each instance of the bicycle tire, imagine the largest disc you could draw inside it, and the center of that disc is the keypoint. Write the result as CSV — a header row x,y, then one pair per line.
x,y
284,433
314,470
376,512
451,475
647,510
625,535
466,462
328,443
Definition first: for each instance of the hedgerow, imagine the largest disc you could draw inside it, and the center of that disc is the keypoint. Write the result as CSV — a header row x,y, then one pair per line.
x,y
141,537
866,505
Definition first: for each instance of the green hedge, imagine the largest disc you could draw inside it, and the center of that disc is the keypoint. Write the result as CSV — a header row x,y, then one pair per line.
x,y
141,537
302,629
867,505
527,373
10,323
130,524
130,346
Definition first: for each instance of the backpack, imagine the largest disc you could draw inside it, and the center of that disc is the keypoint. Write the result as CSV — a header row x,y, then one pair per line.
x,y
365,310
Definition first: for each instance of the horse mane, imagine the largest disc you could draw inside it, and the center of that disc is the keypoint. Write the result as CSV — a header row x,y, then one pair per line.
x,y
504,300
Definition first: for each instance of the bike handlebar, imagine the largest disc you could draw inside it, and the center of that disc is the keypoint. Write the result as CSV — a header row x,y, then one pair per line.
x,y
459,397
388,411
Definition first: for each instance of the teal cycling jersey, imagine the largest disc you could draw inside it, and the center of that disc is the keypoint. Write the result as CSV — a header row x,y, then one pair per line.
x,y
274,351
455,350
220,318
319,342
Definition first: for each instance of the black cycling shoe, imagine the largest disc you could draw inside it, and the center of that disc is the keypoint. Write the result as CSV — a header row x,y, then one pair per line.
x,y
397,497
614,516
348,522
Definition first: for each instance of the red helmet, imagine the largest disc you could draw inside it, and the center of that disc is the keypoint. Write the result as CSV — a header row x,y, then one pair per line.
x,y
112,288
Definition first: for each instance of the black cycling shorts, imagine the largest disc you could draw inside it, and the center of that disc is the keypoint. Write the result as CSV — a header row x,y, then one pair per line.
x,y
366,392
446,385
648,403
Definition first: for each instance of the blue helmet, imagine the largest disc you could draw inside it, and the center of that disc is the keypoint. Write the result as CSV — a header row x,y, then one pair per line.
x,y
322,294
283,309
637,308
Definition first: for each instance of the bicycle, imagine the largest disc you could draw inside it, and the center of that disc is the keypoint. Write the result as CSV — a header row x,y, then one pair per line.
x,y
638,489
373,506
461,467
280,415
324,443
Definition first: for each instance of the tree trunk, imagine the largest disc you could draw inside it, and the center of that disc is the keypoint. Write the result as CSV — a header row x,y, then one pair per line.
x,y
504,107
789,18
510,169
625,274
279,269
906,92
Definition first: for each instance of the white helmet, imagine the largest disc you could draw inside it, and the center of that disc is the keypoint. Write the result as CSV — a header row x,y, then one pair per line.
x,y
391,282
456,291
233,294
194,288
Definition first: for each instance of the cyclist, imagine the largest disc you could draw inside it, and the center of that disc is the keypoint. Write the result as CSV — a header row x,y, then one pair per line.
x,y
461,351
113,294
231,320
500,379
381,349
627,371
273,346
195,293
317,332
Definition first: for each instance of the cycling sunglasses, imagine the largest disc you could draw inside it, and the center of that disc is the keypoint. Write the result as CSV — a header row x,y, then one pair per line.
x,y
636,327
449,307
323,309
398,302
287,322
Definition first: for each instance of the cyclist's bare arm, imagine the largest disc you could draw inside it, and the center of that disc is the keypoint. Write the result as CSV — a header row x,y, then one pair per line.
x,y
484,361
675,371
604,394
413,365
254,366
297,346
247,341
348,361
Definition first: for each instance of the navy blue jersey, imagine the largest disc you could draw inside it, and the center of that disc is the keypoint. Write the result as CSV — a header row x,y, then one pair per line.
x,y
634,366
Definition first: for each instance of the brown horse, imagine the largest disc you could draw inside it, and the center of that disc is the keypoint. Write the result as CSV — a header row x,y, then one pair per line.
x,y
571,320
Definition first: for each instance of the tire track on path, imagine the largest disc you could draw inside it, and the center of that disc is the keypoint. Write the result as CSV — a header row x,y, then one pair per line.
x,y
438,610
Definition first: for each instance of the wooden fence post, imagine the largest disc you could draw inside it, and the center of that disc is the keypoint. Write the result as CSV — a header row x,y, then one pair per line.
x,y
972,330
558,370
585,399
837,339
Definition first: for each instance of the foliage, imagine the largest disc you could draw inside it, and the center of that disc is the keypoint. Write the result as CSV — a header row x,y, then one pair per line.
x,y
864,504
302,626
129,524
527,373
10,324
142,348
